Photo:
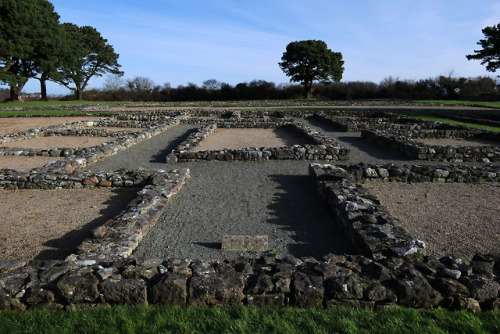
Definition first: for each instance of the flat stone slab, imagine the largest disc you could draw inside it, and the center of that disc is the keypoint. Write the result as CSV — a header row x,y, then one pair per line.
x,y
247,243
6,265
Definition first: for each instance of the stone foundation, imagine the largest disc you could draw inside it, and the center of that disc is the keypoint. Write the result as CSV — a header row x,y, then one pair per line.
x,y
81,157
404,142
391,273
355,122
321,148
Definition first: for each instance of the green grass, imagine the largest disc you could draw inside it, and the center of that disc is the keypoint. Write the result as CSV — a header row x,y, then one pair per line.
x,y
125,319
457,102
49,113
49,103
429,115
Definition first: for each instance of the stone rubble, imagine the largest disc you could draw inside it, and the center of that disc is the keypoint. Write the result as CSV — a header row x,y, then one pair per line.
x,y
321,147
392,272
406,142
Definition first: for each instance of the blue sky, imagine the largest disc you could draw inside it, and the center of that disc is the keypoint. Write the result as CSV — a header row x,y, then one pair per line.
x,y
236,41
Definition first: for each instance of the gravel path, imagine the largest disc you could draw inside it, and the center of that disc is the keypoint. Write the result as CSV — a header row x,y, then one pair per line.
x,y
148,154
273,198
361,150
245,198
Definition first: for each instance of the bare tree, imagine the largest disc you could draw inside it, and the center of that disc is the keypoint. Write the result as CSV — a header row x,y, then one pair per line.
x,y
140,85
141,88
212,84
113,83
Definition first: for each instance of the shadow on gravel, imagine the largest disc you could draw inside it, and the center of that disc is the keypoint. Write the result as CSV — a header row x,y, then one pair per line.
x,y
354,142
300,210
68,243
371,149
211,245
162,155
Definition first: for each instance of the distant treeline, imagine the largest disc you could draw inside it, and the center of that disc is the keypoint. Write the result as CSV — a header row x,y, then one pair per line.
x,y
442,87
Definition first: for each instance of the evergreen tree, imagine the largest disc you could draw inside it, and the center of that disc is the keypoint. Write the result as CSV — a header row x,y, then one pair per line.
x,y
90,55
309,61
490,52
27,28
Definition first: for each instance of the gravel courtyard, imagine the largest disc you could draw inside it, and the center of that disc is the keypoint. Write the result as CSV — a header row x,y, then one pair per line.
x,y
273,198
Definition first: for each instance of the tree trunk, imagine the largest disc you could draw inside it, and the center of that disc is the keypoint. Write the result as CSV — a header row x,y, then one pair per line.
x,y
79,93
15,92
43,89
307,89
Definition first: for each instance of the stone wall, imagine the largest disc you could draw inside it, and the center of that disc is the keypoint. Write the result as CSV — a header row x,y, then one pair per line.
x,y
80,157
385,277
405,142
118,237
321,147
368,121
371,229
491,120
391,273
81,128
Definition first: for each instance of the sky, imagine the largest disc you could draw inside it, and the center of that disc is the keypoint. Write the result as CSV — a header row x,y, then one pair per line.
x,y
181,42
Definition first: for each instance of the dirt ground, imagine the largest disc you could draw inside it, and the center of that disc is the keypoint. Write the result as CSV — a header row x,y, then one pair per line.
x,y
114,128
457,142
16,124
23,162
50,224
57,141
241,138
457,219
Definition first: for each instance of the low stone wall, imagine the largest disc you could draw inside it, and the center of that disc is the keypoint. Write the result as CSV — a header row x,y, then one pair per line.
x,y
404,142
385,279
80,157
118,237
371,229
491,120
359,213
80,129
264,123
321,148
351,281
376,120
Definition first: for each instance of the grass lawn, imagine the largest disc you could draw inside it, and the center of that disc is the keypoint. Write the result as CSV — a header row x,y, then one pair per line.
x,y
457,102
127,319
49,113
49,103
429,115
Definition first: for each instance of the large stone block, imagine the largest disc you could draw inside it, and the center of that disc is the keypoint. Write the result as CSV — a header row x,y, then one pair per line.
x,y
170,289
308,290
247,243
221,289
130,292
77,287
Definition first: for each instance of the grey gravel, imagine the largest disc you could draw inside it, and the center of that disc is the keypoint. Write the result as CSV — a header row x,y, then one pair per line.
x,y
273,198
245,198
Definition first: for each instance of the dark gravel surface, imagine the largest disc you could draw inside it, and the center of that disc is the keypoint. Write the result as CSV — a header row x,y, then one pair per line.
x,y
245,198
148,154
273,198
